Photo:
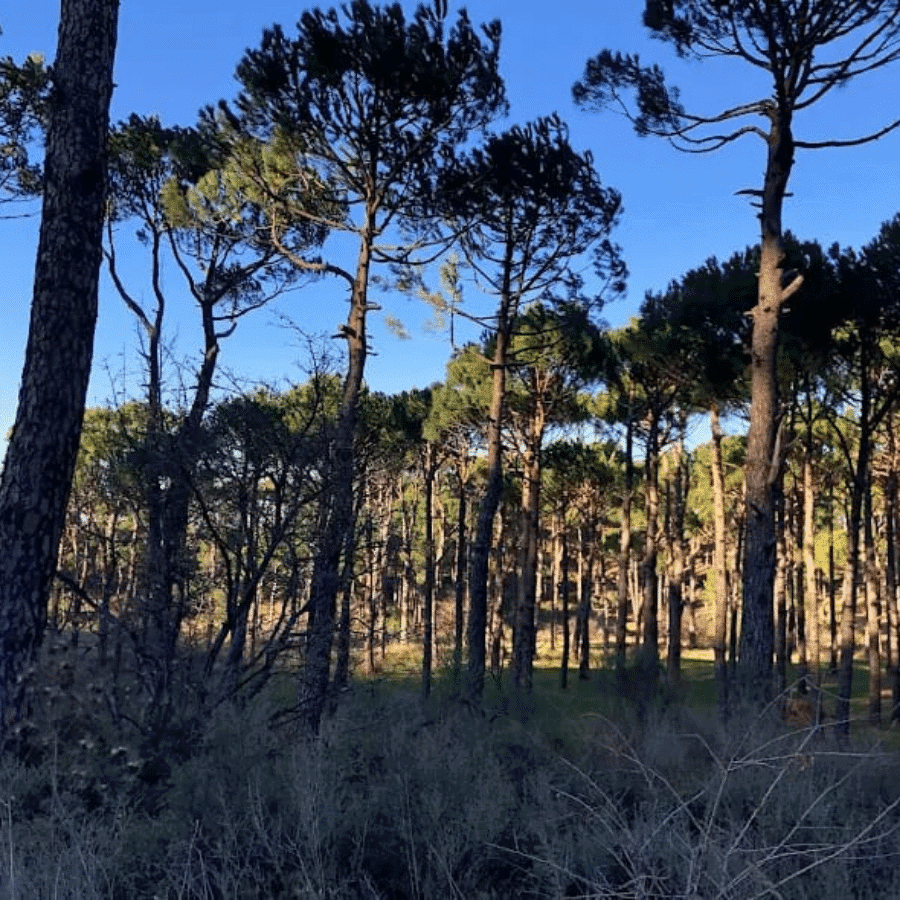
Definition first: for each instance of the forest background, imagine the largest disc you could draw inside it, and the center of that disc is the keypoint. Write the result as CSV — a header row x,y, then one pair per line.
x,y
679,209
223,534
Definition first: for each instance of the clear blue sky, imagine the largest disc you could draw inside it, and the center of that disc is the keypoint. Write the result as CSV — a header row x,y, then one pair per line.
x,y
174,58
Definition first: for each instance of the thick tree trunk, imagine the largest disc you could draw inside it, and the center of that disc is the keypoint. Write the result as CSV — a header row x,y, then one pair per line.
x,y
763,462
40,459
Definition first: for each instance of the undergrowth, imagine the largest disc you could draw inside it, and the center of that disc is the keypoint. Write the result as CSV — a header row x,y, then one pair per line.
x,y
400,799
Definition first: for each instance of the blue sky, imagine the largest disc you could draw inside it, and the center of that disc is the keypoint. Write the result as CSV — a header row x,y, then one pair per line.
x,y
679,209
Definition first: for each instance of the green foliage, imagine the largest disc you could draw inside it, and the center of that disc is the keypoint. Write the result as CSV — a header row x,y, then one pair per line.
x,y
24,95
526,205
369,102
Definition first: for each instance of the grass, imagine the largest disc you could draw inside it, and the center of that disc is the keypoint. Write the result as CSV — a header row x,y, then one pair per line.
x,y
566,794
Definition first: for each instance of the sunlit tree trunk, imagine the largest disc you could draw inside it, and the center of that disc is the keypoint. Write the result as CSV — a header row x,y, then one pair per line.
x,y
763,463
720,567
813,620
650,643
624,548
873,612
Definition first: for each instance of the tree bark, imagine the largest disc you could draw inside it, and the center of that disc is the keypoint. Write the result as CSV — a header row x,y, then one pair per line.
x,y
40,460
720,566
624,548
339,511
428,599
813,621
525,630
763,463
873,613
650,644
679,488
490,501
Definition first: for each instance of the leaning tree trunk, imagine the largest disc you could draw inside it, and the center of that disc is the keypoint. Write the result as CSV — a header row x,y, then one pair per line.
x,y
40,460
763,462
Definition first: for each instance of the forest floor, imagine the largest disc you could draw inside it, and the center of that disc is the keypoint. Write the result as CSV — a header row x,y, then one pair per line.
x,y
587,792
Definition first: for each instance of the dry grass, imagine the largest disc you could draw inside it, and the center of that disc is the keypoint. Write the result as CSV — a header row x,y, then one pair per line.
x,y
568,795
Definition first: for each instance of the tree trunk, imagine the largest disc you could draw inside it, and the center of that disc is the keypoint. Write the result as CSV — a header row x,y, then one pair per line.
x,y
525,630
481,546
459,592
428,599
873,614
564,602
780,587
624,549
720,566
813,622
860,475
650,644
677,553
890,571
40,460
586,584
763,462
339,509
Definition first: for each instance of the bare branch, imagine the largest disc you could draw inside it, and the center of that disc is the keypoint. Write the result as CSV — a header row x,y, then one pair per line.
x,y
852,142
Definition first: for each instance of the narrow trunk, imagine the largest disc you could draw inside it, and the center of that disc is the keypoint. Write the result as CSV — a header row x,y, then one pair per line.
x,y
676,543
525,630
326,577
650,645
890,573
813,622
428,598
564,602
848,614
780,589
588,539
481,547
720,567
624,549
459,592
873,614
